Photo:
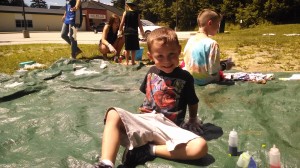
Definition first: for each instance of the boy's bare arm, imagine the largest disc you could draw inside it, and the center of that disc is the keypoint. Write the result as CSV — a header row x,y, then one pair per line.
x,y
193,110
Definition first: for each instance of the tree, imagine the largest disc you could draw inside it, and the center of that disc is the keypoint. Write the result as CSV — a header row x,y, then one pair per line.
x,y
182,14
229,9
16,3
250,13
4,2
118,3
38,4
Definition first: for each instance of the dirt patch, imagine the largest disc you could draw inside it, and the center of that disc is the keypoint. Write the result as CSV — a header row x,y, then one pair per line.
x,y
248,59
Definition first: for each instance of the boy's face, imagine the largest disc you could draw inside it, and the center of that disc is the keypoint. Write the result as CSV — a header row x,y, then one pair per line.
x,y
165,56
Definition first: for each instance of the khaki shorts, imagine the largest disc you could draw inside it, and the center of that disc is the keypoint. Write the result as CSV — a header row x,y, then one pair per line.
x,y
151,128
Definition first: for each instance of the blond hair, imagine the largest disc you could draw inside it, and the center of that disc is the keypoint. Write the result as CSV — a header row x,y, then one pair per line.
x,y
163,35
207,14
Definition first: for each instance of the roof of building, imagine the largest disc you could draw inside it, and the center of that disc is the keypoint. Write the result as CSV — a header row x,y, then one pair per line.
x,y
18,9
98,5
59,10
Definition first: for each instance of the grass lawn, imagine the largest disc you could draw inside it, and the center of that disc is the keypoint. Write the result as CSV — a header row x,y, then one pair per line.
x,y
251,50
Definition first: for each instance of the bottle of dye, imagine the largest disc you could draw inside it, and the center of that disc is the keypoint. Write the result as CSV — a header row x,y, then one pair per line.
x,y
233,143
74,67
274,156
244,160
252,163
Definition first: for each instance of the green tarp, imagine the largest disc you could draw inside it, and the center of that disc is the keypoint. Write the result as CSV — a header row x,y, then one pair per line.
x,y
54,117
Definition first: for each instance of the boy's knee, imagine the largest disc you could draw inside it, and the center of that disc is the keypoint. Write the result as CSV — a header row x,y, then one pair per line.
x,y
202,147
112,116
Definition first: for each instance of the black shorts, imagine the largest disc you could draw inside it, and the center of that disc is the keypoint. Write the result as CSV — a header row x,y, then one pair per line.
x,y
132,42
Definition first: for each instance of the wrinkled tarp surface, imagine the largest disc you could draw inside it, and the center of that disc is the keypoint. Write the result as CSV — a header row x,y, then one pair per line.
x,y
54,117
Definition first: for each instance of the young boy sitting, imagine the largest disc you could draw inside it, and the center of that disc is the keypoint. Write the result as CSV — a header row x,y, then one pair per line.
x,y
202,54
169,91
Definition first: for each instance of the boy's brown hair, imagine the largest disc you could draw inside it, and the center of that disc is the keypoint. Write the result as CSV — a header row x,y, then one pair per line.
x,y
207,14
163,35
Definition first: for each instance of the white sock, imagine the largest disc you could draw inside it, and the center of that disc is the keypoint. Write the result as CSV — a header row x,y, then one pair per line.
x,y
107,162
152,150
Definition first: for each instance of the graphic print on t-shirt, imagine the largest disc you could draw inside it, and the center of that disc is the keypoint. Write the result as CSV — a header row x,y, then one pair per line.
x,y
162,95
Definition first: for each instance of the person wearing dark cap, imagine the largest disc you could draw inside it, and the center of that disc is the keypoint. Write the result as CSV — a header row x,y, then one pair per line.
x,y
129,27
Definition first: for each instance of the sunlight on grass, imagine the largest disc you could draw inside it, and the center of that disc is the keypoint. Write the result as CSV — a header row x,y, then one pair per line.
x,y
248,46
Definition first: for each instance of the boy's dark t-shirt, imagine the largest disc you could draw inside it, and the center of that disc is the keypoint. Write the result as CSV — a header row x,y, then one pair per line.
x,y
131,23
168,93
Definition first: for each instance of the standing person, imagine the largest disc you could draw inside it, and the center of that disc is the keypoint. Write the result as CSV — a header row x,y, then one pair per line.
x,y
202,53
131,20
72,20
110,42
168,90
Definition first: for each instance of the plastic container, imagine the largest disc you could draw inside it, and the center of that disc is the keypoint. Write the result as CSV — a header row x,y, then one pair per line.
x,y
139,54
244,160
274,156
252,163
233,143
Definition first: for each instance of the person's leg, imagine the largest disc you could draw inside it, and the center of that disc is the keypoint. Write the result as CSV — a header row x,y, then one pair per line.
x,y
73,42
194,149
118,44
103,49
111,136
127,52
133,57
65,32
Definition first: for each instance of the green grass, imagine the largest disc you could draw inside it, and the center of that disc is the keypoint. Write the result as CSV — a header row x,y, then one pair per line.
x,y
246,45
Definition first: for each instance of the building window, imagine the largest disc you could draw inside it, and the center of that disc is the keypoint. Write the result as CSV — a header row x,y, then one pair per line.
x,y
21,23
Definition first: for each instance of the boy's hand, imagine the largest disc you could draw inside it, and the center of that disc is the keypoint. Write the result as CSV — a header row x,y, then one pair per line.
x,y
229,63
194,125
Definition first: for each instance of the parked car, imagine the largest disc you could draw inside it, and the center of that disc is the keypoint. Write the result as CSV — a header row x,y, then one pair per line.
x,y
148,27
98,28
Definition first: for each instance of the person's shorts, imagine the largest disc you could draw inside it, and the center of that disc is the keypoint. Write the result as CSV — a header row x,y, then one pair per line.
x,y
151,128
132,42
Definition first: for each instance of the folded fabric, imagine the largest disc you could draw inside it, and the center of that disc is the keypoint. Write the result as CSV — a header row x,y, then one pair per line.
x,y
243,76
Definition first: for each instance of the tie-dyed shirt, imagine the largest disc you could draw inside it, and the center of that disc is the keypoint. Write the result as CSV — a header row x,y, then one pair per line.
x,y
202,59
168,93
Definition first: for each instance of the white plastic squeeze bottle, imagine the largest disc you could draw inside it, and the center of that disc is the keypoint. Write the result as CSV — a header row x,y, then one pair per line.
x,y
243,160
233,143
274,156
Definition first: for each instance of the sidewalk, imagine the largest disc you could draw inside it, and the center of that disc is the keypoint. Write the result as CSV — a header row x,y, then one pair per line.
x,y
85,37
10,38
